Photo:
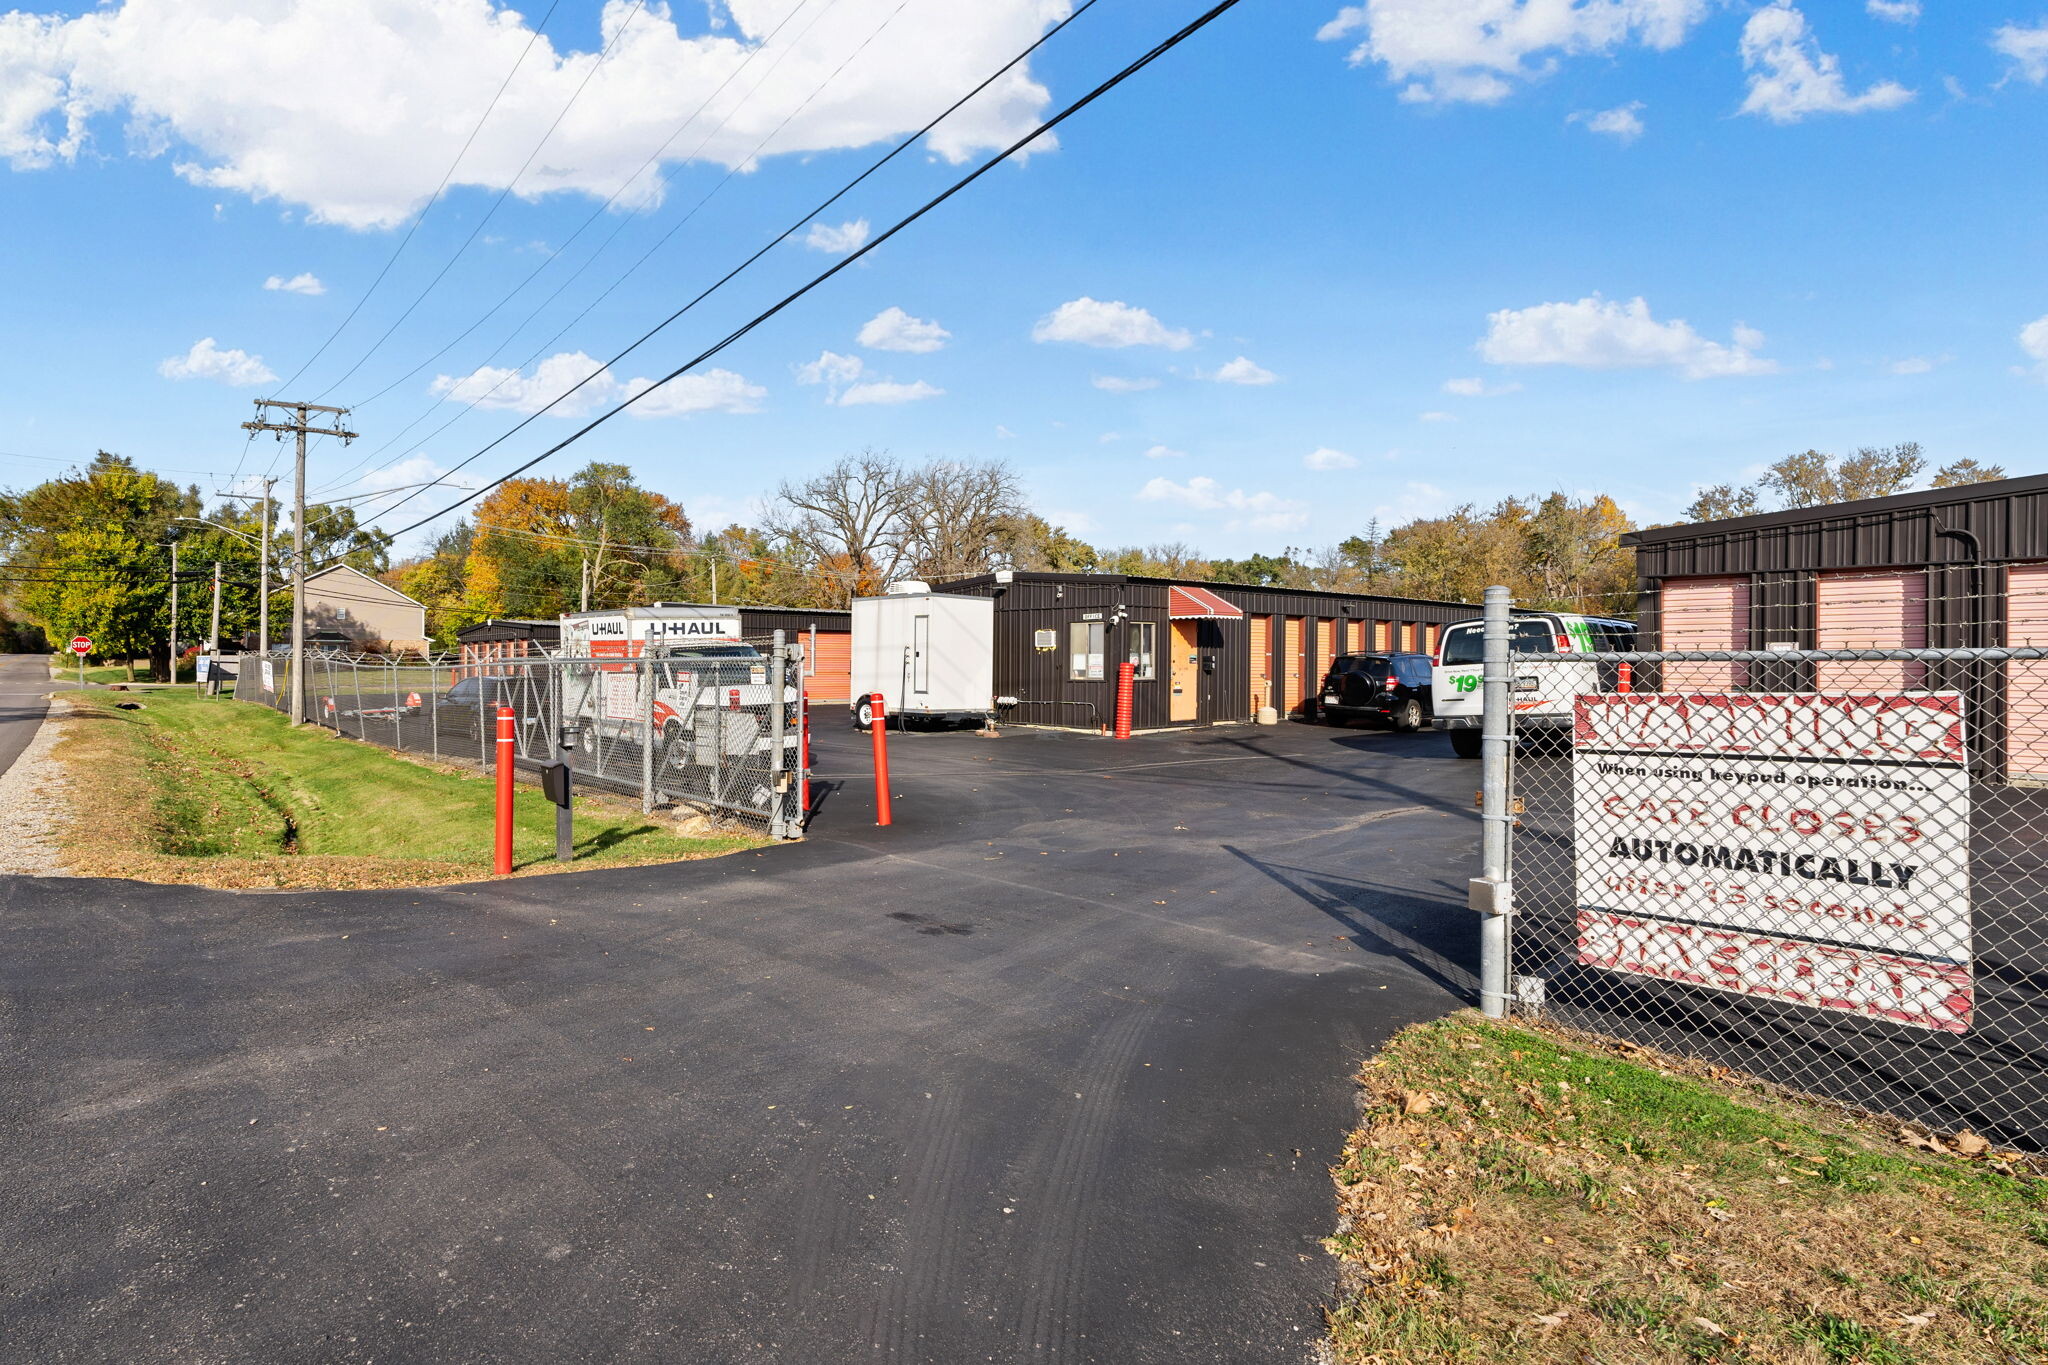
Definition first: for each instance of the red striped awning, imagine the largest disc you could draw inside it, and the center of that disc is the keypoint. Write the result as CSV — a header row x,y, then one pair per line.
x,y
1194,604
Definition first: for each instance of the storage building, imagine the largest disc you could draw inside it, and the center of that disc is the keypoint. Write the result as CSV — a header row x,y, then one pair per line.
x,y
1945,567
1205,653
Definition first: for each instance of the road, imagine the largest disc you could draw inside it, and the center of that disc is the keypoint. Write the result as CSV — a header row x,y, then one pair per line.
x,y
24,683
1049,1071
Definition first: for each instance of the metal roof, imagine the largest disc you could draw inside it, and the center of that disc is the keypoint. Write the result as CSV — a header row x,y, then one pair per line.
x,y
1796,516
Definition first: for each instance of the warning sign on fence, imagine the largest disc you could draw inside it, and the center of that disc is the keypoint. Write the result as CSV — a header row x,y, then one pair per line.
x,y
1806,848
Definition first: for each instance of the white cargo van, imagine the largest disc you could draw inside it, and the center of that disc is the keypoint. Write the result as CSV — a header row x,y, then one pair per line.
x,y
1542,692
931,655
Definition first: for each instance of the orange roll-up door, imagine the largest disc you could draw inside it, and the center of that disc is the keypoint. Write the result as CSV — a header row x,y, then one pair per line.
x,y
1382,635
831,670
1870,611
2026,687
1703,613
1354,637
1293,644
1326,649
1261,671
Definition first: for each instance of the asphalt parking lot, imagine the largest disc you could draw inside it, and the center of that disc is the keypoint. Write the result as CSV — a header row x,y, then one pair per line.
x,y
1051,1070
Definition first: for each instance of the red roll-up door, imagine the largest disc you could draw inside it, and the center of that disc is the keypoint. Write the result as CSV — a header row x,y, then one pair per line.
x,y
1262,664
830,673
1860,610
1703,614
2026,684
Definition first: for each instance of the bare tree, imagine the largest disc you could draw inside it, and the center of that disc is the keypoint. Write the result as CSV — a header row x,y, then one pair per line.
x,y
958,517
1965,471
852,520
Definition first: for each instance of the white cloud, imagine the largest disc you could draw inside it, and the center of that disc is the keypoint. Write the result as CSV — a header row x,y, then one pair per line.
x,y
1242,371
837,241
208,361
1790,77
2026,48
1003,433
493,387
1476,50
1091,322
1322,457
409,473
1436,417
1623,123
892,329
1599,334
1415,500
1895,11
306,283
2033,340
831,368
1165,453
251,99
1478,388
887,391
1916,364
1111,383
1261,511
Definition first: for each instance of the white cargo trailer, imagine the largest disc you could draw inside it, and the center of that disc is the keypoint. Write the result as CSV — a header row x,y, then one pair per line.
x,y
931,655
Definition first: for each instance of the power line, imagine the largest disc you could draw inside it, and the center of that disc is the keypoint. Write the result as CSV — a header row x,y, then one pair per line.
x,y
1154,54
497,203
765,248
432,199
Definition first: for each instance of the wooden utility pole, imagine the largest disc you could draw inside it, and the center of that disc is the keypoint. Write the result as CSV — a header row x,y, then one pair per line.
x,y
213,626
302,428
583,580
263,580
174,613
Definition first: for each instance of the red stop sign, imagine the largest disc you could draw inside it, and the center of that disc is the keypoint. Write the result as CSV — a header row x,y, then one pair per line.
x,y
81,644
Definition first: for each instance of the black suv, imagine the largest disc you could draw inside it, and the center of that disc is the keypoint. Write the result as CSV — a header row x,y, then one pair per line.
x,y
1393,688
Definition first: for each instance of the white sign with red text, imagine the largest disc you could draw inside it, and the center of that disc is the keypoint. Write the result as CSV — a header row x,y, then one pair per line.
x,y
1804,847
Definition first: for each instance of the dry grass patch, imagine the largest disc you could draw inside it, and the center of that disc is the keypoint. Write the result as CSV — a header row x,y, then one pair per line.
x,y
212,792
1516,1195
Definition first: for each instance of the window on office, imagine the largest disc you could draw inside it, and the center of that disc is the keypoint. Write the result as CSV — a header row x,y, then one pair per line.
x,y
1084,651
1144,639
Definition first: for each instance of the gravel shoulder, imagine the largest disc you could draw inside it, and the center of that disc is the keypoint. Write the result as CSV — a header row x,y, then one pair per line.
x,y
34,801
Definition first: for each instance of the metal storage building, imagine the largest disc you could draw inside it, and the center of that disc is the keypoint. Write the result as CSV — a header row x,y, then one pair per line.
x,y
1945,567
1206,653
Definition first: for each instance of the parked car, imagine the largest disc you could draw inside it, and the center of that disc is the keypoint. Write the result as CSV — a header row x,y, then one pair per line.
x,y
1542,692
470,707
1391,688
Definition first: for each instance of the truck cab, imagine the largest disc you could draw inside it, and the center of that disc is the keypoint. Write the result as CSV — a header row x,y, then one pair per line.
x,y
1542,692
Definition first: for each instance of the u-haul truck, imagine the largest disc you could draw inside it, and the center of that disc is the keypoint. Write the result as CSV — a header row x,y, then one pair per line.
x,y
711,669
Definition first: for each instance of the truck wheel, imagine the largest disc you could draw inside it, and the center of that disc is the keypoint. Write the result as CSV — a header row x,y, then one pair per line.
x,y
864,714
1408,716
1465,743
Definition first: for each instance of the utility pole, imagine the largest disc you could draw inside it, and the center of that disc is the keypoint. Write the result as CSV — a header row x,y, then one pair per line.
x,y
174,613
302,428
714,580
583,579
263,580
213,626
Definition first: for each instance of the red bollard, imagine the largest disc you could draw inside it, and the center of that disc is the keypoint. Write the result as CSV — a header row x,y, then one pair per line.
x,y
878,726
1124,673
1625,682
506,743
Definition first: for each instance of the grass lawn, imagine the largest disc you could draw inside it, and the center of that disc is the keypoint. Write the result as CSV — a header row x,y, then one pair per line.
x,y
206,790
64,668
1515,1195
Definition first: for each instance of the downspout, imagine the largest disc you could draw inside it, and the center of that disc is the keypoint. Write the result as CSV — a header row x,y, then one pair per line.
x,y
1975,619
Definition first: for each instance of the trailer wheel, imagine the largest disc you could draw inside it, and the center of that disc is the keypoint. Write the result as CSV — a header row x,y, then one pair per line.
x,y
864,714
1465,743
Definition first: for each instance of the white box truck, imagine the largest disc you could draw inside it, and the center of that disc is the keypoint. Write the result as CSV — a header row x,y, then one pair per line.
x,y
931,655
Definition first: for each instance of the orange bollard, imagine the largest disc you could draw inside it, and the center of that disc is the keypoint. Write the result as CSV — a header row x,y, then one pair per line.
x,y
506,744
1625,682
878,726
803,764
1124,673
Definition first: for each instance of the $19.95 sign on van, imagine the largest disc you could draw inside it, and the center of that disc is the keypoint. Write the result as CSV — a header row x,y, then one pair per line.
x,y
1804,848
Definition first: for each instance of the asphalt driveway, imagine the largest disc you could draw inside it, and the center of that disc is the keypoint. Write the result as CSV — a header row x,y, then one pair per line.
x,y
1049,1071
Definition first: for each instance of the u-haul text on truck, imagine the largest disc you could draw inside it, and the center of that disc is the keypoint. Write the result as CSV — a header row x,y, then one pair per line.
x,y
700,665
628,631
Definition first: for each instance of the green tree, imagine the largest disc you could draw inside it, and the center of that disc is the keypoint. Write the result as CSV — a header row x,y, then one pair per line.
x,y
1722,501
1958,473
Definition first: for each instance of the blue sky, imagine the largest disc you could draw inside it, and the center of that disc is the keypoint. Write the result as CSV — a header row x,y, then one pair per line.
x,y
1421,227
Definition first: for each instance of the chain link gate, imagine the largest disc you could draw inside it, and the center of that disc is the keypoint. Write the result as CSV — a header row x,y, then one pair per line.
x,y
718,730
1824,868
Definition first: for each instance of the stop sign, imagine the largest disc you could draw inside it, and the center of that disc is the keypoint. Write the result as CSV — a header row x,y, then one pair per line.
x,y
81,644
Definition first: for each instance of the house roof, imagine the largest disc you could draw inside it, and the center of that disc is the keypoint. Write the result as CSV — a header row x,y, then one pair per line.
x,y
379,584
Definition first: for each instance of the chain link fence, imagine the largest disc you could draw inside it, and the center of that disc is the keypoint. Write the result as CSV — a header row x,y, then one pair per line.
x,y
718,729
1826,868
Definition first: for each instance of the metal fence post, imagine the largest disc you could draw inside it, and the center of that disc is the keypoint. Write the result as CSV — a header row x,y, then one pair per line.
x,y
778,727
647,685
1492,893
